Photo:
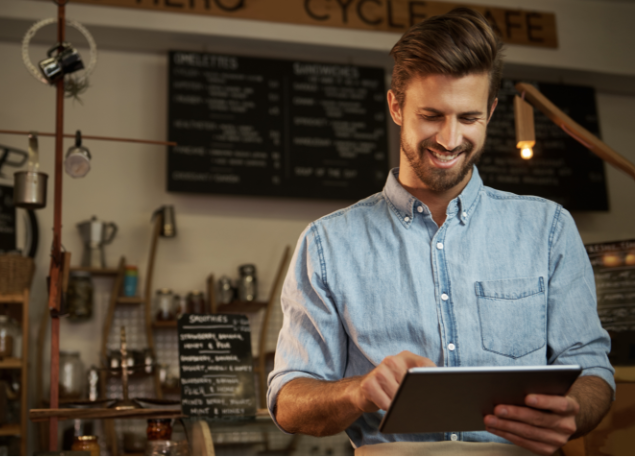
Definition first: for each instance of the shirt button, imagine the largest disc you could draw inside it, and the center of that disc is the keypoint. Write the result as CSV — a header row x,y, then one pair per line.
x,y
420,209
407,219
464,214
454,437
439,245
451,347
444,297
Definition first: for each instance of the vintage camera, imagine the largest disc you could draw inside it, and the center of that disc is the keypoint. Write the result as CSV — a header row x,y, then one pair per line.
x,y
65,62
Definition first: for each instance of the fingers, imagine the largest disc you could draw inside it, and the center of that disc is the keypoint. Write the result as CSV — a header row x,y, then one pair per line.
x,y
534,446
555,403
552,437
564,424
541,430
378,388
413,360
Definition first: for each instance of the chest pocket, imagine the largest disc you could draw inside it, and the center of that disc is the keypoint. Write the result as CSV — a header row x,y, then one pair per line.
x,y
512,315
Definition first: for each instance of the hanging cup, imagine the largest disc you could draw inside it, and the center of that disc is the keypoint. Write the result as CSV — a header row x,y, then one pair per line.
x,y
77,162
30,186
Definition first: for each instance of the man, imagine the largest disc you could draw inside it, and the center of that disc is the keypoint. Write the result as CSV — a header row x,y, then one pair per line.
x,y
439,270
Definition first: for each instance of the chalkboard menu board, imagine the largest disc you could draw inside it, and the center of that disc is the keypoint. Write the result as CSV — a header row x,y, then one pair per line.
x,y
7,219
562,169
251,126
216,366
614,270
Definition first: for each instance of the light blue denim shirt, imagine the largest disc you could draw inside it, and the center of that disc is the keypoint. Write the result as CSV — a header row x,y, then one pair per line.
x,y
504,281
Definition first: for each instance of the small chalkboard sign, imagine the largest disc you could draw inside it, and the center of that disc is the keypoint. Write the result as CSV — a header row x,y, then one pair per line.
x,y
614,270
216,366
7,219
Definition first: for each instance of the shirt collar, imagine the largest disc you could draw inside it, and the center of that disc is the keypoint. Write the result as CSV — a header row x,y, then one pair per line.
x,y
403,202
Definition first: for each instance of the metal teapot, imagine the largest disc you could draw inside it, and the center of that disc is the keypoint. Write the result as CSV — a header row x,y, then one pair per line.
x,y
95,235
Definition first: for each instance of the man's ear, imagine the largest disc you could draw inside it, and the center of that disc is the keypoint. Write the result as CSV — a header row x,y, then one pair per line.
x,y
491,111
395,109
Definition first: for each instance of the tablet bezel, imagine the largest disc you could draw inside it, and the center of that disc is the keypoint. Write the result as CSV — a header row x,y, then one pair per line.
x,y
464,395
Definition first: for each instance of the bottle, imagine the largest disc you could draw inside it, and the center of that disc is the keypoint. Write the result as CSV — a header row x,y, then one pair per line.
x,y
10,336
164,305
247,283
130,281
71,382
79,296
86,443
196,303
159,429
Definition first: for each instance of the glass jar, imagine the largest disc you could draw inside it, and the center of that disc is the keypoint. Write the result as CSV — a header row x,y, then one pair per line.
x,y
10,337
79,296
247,283
226,291
196,302
165,305
159,429
86,443
72,376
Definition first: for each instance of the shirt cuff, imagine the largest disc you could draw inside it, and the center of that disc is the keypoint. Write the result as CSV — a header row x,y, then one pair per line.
x,y
274,388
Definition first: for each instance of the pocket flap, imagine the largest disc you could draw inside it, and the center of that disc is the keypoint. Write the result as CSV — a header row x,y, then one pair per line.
x,y
510,289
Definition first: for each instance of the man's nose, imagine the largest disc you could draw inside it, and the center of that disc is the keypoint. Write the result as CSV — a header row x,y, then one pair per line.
x,y
450,136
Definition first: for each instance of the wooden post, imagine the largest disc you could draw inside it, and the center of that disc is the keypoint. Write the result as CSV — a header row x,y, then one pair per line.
x,y
56,260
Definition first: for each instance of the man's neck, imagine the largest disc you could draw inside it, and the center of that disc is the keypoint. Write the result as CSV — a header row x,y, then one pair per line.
x,y
437,202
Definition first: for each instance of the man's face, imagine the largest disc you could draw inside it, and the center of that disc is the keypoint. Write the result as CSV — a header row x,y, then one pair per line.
x,y
443,128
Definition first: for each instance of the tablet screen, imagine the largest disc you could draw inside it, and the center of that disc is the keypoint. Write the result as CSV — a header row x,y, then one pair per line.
x,y
456,399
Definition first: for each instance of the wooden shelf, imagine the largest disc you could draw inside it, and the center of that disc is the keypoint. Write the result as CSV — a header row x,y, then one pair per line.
x,y
241,307
11,298
130,300
164,324
10,362
97,271
10,430
42,415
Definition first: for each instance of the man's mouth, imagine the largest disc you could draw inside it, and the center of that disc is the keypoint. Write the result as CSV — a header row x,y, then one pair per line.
x,y
444,157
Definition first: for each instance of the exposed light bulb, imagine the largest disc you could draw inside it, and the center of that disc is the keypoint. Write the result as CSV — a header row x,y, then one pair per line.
x,y
526,153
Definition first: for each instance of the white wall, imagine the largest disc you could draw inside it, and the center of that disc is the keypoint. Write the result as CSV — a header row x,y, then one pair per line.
x,y
127,98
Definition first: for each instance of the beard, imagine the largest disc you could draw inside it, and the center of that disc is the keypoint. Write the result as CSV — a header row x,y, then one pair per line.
x,y
440,179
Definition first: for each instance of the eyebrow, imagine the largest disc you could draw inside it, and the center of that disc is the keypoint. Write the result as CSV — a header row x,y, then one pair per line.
x,y
436,111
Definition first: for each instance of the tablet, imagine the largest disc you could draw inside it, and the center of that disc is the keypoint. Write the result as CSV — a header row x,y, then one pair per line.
x,y
455,399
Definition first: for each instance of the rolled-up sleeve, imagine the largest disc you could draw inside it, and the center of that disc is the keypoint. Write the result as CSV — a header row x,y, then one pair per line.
x,y
575,333
312,342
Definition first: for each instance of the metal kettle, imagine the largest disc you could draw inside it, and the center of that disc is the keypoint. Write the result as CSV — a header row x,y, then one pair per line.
x,y
95,235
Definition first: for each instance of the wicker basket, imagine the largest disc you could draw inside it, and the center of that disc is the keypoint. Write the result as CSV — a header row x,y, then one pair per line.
x,y
16,273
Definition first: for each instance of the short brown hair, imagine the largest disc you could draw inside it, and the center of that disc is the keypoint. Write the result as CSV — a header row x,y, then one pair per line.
x,y
458,43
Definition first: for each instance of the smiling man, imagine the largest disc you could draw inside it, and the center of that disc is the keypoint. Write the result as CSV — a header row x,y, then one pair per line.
x,y
439,270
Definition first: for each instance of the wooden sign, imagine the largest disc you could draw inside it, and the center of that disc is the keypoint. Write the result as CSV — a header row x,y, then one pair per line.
x,y
515,26
216,366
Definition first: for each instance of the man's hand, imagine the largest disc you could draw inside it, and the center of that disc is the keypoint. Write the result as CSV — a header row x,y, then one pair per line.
x,y
323,408
543,427
378,388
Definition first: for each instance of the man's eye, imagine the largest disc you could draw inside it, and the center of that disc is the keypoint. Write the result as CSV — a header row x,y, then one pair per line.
x,y
430,118
470,120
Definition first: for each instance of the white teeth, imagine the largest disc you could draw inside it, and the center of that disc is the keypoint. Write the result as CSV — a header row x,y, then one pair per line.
x,y
443,157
